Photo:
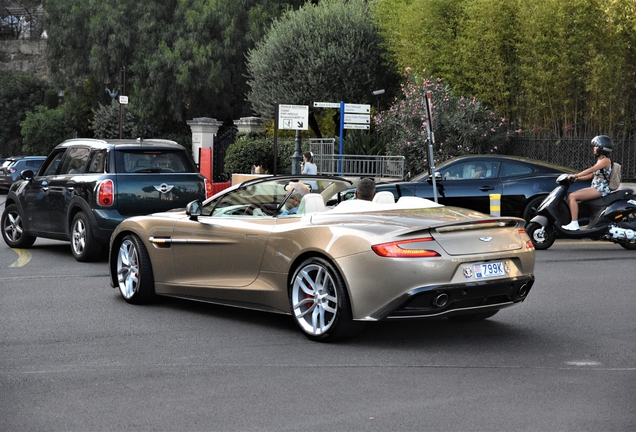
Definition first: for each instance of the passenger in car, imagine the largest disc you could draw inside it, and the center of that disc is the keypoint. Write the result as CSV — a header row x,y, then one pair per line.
x,y
365,189
292,203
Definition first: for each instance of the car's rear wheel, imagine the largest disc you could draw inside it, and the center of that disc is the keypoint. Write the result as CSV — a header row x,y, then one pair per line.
x,y
13,228
532,207
472,317
134,271
319,302
541,238
84,246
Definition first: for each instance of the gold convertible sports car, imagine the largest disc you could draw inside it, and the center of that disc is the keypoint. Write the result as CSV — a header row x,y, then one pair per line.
x,y
291,245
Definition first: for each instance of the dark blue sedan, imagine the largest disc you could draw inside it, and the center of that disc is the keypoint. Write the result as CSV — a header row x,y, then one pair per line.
x,y
468,182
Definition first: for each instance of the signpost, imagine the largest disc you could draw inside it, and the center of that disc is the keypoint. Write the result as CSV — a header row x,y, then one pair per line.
x,y
291,117
352,116
431,140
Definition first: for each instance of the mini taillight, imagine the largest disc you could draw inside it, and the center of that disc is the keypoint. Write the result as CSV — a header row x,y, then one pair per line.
x,y
208,188
398,250
105,193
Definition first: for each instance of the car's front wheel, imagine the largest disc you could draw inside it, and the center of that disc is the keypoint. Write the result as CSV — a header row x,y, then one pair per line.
x,y
134,271
84,246
319,302
13,229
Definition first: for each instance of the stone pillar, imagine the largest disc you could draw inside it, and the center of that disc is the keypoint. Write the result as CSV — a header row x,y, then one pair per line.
x,y
250,124
204,130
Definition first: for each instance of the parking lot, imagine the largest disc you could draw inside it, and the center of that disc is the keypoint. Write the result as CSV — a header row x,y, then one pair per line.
x,y
75,356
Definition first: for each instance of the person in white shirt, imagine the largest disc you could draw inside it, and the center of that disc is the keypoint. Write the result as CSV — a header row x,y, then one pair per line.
x,y
309,167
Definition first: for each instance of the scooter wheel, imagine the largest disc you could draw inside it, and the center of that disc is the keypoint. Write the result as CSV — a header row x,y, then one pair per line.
x,y
541,238
628,246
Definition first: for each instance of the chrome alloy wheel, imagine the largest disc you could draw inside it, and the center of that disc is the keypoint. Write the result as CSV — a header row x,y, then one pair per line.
x,y
314,299
128,269
13,226
78,237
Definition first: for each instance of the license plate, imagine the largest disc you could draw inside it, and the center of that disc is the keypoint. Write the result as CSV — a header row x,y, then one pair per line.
x,y
487,270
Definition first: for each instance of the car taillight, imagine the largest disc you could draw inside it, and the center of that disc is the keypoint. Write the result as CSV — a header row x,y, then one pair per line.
x,y
105,193
405,249
208,188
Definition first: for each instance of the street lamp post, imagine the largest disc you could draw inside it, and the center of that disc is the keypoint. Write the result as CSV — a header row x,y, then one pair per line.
x,y
117,91
377,94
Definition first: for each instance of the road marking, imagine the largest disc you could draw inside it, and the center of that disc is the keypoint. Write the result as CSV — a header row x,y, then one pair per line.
x,y
24,256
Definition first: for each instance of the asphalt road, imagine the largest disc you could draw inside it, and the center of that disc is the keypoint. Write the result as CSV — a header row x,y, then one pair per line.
x,y
75,357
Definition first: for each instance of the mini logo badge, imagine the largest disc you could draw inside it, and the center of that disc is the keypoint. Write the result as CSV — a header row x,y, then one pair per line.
x,y
164,188
485,239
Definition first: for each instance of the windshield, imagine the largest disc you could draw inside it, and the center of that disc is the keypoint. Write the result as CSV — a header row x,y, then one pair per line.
x,y
278,197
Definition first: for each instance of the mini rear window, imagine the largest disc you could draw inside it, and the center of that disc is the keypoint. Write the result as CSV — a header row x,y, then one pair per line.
x,y
153,161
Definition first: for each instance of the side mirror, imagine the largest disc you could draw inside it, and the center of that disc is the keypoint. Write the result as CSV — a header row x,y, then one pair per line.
x,y
27,175
194,209
438,177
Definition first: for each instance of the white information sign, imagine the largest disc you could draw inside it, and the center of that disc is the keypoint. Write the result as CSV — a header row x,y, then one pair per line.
x,y
357,118
357,108
123,100
356,126
326,105
293,117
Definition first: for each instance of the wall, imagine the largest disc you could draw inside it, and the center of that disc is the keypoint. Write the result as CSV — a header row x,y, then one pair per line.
x,y
23,55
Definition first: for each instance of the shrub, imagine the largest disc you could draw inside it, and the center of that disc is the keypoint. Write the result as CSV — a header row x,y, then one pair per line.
x,y
460,125
45,128
247,152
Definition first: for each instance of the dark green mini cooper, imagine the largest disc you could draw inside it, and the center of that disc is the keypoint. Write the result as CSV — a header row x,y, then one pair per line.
x,y
86,187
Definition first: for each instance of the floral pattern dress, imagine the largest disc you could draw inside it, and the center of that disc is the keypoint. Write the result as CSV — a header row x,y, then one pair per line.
x,y
600,182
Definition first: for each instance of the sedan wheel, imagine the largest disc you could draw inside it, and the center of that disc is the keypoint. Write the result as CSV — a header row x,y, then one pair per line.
x,y
319,302
134,271
84,246
13,229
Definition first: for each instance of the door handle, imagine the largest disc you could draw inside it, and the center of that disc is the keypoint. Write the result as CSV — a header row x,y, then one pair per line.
x,y
486,188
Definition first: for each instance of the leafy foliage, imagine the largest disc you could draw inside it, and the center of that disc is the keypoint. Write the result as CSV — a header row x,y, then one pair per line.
x,y
44,128
183,59
461,125
325,52
247,152
19,94
565,68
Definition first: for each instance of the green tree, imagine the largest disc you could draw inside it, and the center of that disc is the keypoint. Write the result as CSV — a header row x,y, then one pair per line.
x,y
462,125
19,94
183,58
45,128
326,52
562,68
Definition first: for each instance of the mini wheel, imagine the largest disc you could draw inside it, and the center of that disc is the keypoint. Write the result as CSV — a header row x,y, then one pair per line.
x,y
319,302
134,272
13,229
84,246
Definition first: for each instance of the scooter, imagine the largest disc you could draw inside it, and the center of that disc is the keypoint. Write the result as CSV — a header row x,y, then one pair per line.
x,y
612,218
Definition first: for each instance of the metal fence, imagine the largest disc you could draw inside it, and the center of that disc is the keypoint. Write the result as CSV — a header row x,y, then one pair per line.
x,y
360,165
574,153
328,162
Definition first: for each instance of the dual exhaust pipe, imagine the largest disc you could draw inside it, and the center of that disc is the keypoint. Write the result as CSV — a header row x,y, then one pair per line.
x,y
441,300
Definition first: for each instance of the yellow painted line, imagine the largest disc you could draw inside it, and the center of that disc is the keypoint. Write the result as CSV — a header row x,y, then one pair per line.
x,y
578,242
24,256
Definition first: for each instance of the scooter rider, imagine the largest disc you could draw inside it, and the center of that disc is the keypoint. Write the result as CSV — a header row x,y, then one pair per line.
x,y
599,173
